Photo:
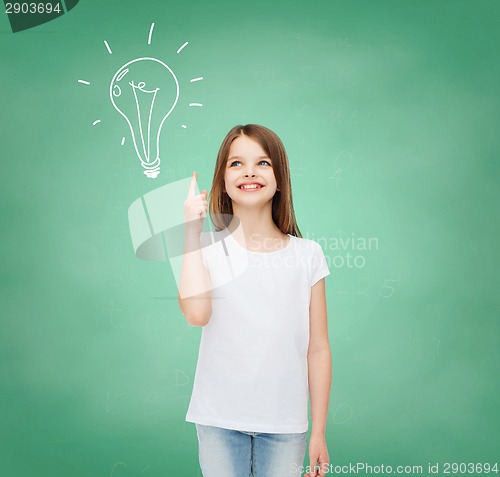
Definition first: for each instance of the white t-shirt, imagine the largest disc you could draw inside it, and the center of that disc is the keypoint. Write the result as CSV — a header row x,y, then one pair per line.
x,y
252,370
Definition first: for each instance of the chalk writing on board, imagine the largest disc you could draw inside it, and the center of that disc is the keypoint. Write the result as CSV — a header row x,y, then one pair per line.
x,y
110,399
387,289
343,328
185,398
367,287
302,161
150,398
113,316
421,347
341,162
181,378
117,465
342,414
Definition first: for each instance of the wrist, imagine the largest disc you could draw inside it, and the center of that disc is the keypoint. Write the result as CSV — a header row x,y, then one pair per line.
x,y
318,433
192,230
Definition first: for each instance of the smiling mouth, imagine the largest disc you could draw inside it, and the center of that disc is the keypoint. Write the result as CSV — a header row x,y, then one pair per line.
x,y
253,187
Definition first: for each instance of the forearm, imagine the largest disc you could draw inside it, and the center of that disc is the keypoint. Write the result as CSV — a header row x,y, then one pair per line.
x,y
195,285
320,381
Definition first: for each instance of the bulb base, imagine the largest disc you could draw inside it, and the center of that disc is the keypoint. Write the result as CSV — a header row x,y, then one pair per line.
x,y
152,169
152,174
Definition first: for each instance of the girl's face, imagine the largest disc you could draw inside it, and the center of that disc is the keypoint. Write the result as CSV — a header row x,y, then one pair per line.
x,y
248,163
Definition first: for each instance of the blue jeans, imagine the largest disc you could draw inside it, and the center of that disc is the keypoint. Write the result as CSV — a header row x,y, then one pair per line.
x,y
229,453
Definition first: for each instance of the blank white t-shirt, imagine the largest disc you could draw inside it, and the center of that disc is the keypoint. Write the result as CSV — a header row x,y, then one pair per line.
x,y
252,371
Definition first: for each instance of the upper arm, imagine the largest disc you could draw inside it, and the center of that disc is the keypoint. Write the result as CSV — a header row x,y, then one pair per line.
x,y
318,322
190,320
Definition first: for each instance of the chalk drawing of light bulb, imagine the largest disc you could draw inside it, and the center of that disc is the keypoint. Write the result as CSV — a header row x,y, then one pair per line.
x,y
145,91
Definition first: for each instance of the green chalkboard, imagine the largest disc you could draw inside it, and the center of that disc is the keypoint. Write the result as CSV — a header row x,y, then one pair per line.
x,y
390,114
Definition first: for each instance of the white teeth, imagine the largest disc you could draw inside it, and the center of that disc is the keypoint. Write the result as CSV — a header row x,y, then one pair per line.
x,y
251,186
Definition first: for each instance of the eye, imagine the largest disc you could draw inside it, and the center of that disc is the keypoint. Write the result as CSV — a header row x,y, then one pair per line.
x,y
263,160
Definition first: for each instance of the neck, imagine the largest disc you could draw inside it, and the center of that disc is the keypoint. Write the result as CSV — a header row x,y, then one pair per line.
x,y
255,221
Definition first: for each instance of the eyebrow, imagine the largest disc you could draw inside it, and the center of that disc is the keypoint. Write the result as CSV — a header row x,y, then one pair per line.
x,y
239,157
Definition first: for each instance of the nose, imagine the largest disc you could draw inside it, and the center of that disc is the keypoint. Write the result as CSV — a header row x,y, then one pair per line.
x,y
249,174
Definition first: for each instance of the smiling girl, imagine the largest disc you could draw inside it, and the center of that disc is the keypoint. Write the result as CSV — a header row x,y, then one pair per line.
x,y
264,344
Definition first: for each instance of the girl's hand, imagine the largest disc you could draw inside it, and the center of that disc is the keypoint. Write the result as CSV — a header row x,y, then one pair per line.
x,y
318,452
195,207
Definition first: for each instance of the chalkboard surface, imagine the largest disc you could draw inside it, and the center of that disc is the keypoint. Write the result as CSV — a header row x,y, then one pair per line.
x,y
389,112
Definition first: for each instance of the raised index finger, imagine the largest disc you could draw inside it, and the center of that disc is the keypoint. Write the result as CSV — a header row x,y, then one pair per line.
x,y
192,185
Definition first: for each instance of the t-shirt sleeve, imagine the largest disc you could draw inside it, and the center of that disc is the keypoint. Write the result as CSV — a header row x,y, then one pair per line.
x,y
319,267
204,257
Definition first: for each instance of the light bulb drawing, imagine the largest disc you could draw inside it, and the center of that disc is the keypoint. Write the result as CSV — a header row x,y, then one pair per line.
x,y
145,91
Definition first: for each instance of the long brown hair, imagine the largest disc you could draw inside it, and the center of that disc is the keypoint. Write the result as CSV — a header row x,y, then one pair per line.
x,y
220,204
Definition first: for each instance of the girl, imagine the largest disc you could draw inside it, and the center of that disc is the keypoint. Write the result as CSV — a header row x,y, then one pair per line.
x,y
258,290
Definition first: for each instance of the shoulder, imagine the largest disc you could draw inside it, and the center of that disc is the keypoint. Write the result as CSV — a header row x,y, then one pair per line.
x,y
212,244
211,237
308,245
206,238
